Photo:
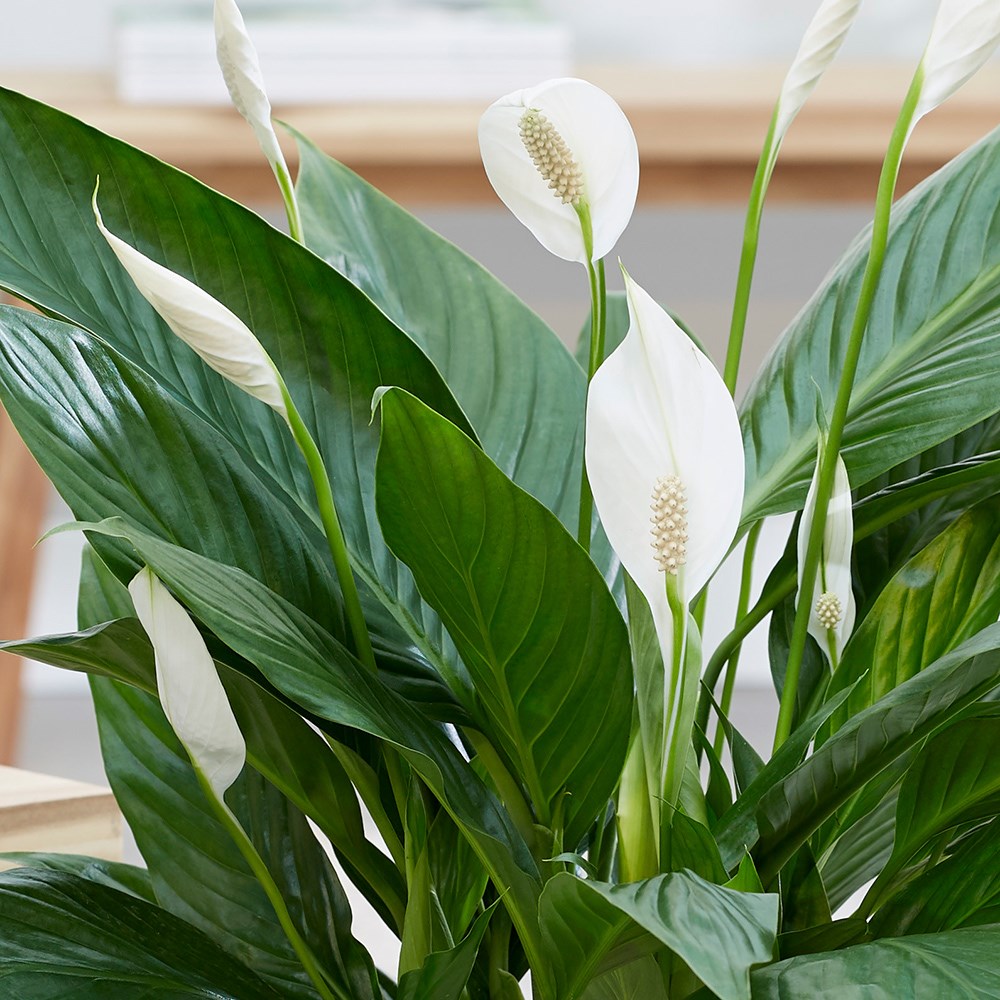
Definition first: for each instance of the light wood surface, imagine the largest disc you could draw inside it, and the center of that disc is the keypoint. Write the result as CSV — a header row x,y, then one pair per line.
x,y
41,813
23,492
699,134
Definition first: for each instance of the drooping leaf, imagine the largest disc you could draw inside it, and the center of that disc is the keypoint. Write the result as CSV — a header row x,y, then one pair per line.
x,y
298,657
959,965
795,806
541,636
113,874
720,934
934,326
62,935
331,343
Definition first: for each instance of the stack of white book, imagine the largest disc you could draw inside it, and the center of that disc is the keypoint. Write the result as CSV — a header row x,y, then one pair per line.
x,y
311,56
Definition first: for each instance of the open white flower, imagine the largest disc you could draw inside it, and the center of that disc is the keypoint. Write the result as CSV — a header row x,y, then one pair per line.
x,y
240,67
193,698
662,433
563,158
964,35
832,605
820,44
223,341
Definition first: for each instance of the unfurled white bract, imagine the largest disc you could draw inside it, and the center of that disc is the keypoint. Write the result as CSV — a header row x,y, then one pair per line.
x,y
662,435
559,151
223,341
964,35
820,44
193,698
241,69
832,605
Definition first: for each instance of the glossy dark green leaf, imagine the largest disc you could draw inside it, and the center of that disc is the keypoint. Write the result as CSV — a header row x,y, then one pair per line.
x,y
333,346
197,871
686,843
308,666
954,779
959,965
719,934
64,936
962,890
795,806
537,628
828,936
926,371
515,380
113,874
944,595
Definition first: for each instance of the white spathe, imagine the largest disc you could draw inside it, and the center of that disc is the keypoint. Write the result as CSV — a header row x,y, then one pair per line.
x,y
241,70
193,698
659,408
601,142
964,35
834,576
223,341
820,44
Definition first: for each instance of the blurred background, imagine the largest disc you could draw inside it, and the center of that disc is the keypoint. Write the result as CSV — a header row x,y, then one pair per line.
x,y
395,88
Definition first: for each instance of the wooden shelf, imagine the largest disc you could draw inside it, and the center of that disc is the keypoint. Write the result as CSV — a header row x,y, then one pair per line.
x,y
41,813
699,134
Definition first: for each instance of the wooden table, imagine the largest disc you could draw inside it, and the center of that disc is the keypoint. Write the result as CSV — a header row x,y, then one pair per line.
x,y
41,813
699,134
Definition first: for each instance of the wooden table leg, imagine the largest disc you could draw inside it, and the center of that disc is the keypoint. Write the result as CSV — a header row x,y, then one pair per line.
x,y
23,493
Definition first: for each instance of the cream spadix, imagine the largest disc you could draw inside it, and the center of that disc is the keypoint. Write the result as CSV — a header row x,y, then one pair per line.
x,y
563,158
240,67
964,35
664,455
223,341
832,605
190,691
820,44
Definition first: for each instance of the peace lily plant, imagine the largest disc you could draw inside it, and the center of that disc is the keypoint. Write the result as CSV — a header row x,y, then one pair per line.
x,y
384,589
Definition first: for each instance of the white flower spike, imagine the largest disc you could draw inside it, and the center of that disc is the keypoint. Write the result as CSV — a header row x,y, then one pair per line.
x,y
191,693
563,158
240,67
832,601
217,335
820,44
964,35
662,433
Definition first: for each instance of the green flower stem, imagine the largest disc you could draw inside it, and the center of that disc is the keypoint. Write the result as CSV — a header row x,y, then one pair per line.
x,y
284,179
742,606
598,328
326,988
675,751
748,256
827,469
334,534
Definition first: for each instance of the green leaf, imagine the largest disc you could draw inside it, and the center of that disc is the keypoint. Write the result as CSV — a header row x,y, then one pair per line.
x,y
718,933
514,379
113,874
955,779
444,974
333,345
959,965
308,666
796,805
629,982
62,935
688,844
961,891
941,597
926,371
537,628
197,871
